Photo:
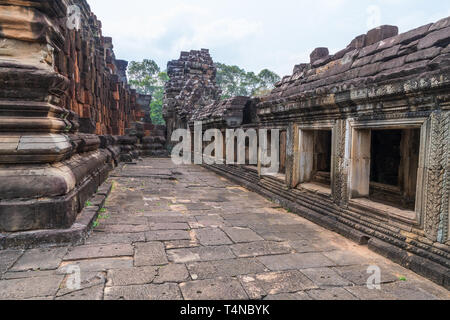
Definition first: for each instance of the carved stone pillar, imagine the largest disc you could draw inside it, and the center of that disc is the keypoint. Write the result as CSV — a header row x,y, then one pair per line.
x,y
360,163
306,152
438,178
292,156
340,162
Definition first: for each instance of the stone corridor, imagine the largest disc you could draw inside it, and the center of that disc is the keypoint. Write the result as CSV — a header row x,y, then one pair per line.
x,y
170,232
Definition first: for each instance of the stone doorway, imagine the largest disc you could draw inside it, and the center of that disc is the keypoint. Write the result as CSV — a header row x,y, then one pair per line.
x,y
393,167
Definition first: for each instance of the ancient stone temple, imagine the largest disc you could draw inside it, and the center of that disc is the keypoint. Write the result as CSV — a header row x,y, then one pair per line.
x,y
364,150
364,142
64,99
192,85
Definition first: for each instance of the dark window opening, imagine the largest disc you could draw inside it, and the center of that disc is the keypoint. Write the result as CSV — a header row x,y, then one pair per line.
x,y
249,114
394,166
386,157
322,157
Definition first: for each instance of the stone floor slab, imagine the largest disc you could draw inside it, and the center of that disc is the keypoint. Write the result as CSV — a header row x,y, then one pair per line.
x,y
102,264
227,268
88,280
332,294
111,238
278,236
168,291
358,274
125,220
150,254
167,235
92,293
7,259
261,248
326,277
213,289
200,254
30,274
407,291
100,251
242,235
131,276
364,293
172,273
169,219
298,296
273,283
30,287
308,246
296,261
345,258
180,244
40,259
212,237
169,226
209,221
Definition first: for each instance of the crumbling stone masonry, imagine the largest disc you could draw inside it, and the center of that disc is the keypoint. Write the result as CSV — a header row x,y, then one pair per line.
x,y
143,138
64,99
192,85
364,145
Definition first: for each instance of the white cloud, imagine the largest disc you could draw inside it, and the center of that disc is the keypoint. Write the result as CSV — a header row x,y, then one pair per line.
x,y
221,32
253,34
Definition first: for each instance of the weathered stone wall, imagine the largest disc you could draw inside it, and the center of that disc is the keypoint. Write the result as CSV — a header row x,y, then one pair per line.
x,y
380,81
98,92
62,95
192,85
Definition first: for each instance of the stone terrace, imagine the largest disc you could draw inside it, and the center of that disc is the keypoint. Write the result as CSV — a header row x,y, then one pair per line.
x,y
185,233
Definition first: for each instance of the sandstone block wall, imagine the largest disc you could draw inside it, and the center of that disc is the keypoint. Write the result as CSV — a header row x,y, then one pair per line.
x,y
63,95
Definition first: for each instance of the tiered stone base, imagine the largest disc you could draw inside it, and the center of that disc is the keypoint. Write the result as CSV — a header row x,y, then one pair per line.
x,y
135,144
41,203
128,150
75,234
154,147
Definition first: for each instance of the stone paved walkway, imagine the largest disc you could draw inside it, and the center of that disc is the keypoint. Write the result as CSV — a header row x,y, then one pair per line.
x,y
185,233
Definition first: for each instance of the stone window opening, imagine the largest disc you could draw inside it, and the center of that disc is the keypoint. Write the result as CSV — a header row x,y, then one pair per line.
x,y
281,175
248,164
394,165
247,153
385,167
247,114
315,160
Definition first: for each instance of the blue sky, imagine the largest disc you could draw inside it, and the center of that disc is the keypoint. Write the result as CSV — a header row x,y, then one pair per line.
x,y
253,34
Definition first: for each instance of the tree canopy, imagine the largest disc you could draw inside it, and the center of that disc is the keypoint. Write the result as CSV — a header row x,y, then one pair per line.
x,y
235,81
147,78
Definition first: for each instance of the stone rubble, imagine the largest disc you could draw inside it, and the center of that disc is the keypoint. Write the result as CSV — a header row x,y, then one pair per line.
x,y
192,84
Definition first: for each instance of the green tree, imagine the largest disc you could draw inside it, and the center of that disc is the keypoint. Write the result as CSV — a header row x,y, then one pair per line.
x,y
158,99
229,79
146,77
235,81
